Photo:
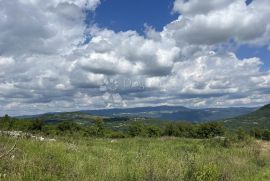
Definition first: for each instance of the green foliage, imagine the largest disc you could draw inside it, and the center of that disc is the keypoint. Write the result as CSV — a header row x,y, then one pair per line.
x,y
36,125
131,159
100,127
210,130
266,135
188,130
241,134
170,130
6,122
262,134
137,129
182,129
256,133
258,119
208,172
68,126
153,131
97,130
6,118
114,134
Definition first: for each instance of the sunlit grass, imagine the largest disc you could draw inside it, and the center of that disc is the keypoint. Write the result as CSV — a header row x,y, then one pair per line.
x,y
132,159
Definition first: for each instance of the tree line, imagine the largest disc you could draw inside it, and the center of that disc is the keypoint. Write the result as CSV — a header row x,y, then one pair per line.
x,y
134,129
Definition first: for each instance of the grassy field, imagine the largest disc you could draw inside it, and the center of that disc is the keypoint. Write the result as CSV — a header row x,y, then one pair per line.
x,y
134,159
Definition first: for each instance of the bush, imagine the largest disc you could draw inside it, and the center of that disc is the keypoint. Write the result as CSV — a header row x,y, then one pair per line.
x,y
256,133
36,125
97,130
137,129
170,130
99,127
210,130
115,134
7,122
266,135
153,131
241,134
68,126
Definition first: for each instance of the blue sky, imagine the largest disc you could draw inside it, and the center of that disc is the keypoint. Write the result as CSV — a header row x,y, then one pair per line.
x,y
261,52
212,53
124,15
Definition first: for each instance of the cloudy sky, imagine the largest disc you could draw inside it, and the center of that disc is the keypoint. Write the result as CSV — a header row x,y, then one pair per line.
x,y
64,55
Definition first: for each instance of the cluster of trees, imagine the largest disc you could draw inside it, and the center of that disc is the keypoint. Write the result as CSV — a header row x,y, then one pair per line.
x,y
187,130
7,122
176,129
205,130
262,134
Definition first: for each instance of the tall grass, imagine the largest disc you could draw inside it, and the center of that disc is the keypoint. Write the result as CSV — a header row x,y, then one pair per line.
x,y
132,159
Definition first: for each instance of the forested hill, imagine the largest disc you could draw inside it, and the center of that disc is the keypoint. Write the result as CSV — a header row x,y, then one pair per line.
x,y
259,118
167,113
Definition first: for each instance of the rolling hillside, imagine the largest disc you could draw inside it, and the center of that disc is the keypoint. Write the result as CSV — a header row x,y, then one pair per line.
x,y
83,118
259,118
174,113
165,113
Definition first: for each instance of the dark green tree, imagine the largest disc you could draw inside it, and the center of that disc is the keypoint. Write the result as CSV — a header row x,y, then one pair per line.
x,y
136,129
99,124
266,135
36,125
241,134
153,131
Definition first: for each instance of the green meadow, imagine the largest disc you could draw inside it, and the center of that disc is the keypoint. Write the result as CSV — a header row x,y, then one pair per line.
x,y
161,159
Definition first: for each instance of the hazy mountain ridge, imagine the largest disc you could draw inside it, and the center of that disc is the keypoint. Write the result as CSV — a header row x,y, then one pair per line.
x,y
173,113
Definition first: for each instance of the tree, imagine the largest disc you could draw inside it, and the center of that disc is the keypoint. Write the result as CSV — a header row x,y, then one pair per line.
x,y
256,133
153,131
210,130
36,125
136,129
266,135
99,124
68,126
7,121
241,134
6,118
170,130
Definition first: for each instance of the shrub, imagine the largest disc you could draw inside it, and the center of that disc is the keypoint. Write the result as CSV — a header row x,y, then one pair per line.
x,y
266,135
153,131
256,133
115,134
99,126
210,130
137,129
7,122
241,134
68,126
170,130
36,125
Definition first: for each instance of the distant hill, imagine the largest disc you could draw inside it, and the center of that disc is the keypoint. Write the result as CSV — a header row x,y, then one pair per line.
x,y
87,119
79,117
167,113
175,113
259,118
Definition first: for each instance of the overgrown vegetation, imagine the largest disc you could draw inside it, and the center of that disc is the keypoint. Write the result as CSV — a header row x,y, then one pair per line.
x,y
257,119
165,158
133,129
187,130
170,151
